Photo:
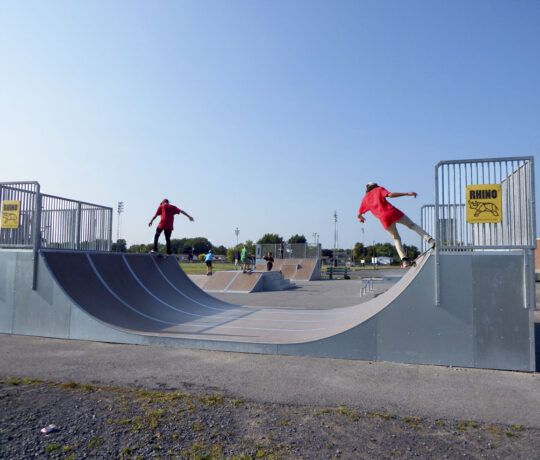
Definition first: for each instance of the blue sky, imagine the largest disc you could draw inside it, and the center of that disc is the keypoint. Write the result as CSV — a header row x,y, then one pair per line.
x,y
262,115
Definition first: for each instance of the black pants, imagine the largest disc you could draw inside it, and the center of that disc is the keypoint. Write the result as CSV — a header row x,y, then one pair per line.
x,y
167,239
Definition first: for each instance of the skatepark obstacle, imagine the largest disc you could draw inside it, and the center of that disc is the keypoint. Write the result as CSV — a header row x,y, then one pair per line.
x,y
467,303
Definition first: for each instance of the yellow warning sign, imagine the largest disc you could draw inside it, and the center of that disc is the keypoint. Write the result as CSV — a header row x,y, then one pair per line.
x,y
11,212
484,204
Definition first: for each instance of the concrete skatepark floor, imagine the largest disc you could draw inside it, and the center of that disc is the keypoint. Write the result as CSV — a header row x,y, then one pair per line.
x,y
283,392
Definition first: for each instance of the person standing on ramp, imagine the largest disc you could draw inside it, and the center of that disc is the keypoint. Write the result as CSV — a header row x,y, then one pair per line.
x,y
375,201
167,212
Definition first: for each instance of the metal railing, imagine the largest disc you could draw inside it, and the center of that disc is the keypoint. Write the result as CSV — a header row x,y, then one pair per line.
x,y
484,204
60,222
514,227
290,251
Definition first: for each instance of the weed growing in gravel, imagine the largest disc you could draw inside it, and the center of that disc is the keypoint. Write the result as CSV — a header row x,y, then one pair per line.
x,y
382,415
95,441
212,401
52,447
348,412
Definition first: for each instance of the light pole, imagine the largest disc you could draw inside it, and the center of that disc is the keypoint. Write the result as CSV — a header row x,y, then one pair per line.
x,y
335,238
120,211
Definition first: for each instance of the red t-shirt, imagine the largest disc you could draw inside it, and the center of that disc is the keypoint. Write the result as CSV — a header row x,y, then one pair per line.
x,y
167,212
375,201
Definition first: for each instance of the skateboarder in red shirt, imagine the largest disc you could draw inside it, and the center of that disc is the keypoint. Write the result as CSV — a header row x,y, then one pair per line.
x,y
167,212
375,201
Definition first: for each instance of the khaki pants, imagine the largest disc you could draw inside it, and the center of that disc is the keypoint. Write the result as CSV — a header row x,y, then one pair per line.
x,y
397,239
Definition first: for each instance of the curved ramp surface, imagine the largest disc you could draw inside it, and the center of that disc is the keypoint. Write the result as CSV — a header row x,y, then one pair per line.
x,y
141,299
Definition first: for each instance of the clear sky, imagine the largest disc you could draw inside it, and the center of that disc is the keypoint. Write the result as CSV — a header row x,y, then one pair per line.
x,y
262,115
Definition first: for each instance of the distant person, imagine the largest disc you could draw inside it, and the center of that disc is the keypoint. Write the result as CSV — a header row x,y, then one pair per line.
x,y
235,259
167,212
269,261
281,250
375,201
190,257
245,258
208,258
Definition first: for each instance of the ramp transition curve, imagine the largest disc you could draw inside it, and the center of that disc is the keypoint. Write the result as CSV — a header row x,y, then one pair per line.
x,y
141,299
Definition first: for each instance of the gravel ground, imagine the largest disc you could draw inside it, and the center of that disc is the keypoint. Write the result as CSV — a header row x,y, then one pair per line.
x,y
112,422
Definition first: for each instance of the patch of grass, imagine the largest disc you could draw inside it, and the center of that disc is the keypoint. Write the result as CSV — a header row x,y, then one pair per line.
x,y
322,411
69,385
95,441
52,447
196,426
517,427
348,412
13,381
200,268
385,416
237,402
212,400
510,434
285,422
411,419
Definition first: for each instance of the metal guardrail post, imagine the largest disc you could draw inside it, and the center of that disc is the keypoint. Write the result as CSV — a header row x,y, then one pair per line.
x,y
78,228
36,230
437,241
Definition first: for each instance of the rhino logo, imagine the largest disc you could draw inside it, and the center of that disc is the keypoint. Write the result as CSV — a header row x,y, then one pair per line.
x,y
481,207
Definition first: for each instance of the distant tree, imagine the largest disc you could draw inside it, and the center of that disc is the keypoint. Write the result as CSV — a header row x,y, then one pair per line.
x,y
251,246
140,248
412,252
200,245
221,250
119,246
359,251
297,239
178,246
327,253
270,238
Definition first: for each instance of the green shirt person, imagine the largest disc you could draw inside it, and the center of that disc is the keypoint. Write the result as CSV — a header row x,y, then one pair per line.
x,y
244,258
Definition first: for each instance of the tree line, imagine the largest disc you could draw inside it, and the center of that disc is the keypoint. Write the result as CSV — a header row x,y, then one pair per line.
x,y
201,245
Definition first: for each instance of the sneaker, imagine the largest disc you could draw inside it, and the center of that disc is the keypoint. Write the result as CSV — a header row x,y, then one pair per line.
x,y
431,242
405,262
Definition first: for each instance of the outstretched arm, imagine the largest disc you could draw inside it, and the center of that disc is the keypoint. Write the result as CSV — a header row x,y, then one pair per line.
x,y
187,215
155,215
361,218
397,195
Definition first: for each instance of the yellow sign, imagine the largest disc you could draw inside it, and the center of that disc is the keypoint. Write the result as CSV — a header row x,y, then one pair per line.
x,y
11,211
484,204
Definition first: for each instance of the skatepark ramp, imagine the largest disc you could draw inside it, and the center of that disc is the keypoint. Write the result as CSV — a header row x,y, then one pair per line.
x,y
296,269
142,299
237,281
469,302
